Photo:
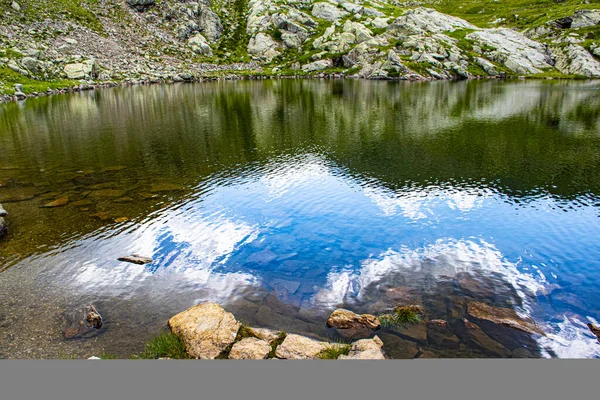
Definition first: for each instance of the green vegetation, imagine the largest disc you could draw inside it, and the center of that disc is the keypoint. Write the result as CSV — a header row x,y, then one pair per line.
x,y
10,78
401,316
80,11
276,343
233,46
332,352
108,356
167,345
521,14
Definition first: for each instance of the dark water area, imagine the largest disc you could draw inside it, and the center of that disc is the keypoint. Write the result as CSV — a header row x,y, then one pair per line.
x,y
282,200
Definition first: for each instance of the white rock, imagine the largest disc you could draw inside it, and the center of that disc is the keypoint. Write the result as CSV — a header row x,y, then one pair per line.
x,y
585,18
15,6
250,349
205,329
328,11
296,347
575,60
199,45
365,349
83,70
317,66
424,20
380,23
263,46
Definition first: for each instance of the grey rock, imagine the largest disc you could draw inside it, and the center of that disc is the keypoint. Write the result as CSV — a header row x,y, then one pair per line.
x,y
209,23
585,18
15,6
141,5
136,259
263,47
574,59
199,45
84,70
317,66
328,11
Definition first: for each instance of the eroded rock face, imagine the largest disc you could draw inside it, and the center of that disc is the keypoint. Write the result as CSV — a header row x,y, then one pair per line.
x,y
574,59
296,347
502,316
206,329
250,349
349,324
365,349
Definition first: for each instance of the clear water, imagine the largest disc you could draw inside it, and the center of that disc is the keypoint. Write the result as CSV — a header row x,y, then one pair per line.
x,y
282,200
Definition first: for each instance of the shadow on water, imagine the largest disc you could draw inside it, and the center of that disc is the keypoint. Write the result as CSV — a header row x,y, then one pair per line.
x,y
282,200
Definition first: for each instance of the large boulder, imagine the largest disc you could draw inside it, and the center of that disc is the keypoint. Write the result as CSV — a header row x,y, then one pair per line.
x,y
205,329
262,46
514,50
585,18
365,349
576,60
317,66
250,349
296,347
425,21
349,324
84,70
328,11
141,5
209,23
199,45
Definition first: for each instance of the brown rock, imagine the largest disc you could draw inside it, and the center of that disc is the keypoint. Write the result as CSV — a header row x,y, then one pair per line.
x,y
502,316
296,347
595,330
398,348
250,349
349,324
94,318
205,329
268,335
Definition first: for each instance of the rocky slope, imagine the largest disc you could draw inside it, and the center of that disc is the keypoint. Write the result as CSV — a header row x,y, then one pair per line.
x,y
65,43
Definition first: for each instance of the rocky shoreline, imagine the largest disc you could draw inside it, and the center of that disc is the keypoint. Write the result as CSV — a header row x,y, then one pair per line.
x,y
122,43
207,331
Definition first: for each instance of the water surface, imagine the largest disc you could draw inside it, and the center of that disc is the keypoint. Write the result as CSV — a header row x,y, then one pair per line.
x,y
282,200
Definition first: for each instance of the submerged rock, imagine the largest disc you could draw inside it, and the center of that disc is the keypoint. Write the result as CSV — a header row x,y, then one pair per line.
x,y
502,316
94,318
440,334
83,322
476,336
205,329
595,330
365,349
250,349
349,324
61,201
296,347
136,259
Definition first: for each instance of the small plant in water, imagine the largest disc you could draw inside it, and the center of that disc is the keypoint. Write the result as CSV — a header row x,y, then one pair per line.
x,y
401,316
167,345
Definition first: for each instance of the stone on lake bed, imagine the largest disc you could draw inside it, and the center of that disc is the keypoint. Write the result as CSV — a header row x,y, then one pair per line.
x,y
108,193
250,349
102,215
205,329
262,257
82,203
121,219
502,316
136,259
349,324
61,201
165,187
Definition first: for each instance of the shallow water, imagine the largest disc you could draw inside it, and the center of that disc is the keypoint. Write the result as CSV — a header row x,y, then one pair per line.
x,y
282,200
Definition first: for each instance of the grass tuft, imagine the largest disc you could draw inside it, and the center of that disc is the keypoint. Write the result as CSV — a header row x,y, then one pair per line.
x,y
403,315
276,343
334,351
167,345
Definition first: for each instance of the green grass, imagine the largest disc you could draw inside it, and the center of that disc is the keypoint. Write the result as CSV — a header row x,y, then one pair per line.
x,y
108,356
401,316
332,352
167,345
521,14
81,11
276,343
9,77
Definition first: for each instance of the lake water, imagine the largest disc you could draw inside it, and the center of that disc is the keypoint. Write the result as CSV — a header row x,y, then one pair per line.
x,y
282,200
